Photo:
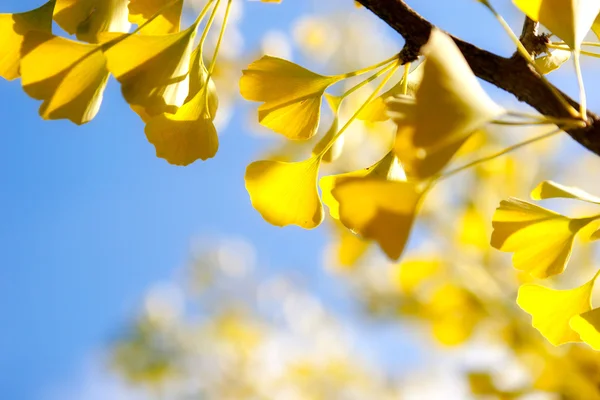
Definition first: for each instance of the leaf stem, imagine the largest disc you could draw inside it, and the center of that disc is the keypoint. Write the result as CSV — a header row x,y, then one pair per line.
x,y
366,81
405,78
582,96
392,69
368,69
496,155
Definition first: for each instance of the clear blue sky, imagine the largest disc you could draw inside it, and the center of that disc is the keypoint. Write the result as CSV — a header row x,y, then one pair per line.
x,y
90,217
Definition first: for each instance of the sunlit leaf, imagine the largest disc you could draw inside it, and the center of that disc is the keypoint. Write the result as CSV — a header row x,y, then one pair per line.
x,y
87,18
570,20
541,239
13,28
450,103
587,325
291,95
336,148
386,168
140,11
69,76
153,69
378,209
286,193
552,61
551,310
551,190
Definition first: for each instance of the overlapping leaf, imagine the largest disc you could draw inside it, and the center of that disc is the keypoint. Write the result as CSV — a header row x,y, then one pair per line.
x,y
291,94
13,28
69,76
188,134
140,11
153,70
286,193
570,20
552,310
541,239
88,18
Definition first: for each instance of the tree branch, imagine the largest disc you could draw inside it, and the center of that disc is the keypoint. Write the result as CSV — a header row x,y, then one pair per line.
x,y
510,74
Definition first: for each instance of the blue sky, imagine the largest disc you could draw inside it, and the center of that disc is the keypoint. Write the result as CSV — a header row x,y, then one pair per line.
x,y
91,218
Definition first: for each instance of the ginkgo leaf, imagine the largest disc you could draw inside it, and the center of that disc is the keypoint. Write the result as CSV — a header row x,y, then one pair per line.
x,y
13,28
541,239
552,61
291,95
69,76
349,247
286,193
551,190
450,102
140,11
587,325
420,163
335,150
87,18
188,134
377,110
596,26
378,209
388,168
570,20
551,310
595,235
153,69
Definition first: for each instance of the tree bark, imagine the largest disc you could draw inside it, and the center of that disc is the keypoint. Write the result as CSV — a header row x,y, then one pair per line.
x,y
512,74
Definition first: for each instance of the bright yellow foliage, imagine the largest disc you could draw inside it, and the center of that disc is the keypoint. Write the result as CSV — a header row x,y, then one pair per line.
x,y
141,11
286,193
387,168
587,325
551,310
386,215
13,28
540,239
450,103
291,95
153,69
334,152
88,18
69,76
552,190
570,20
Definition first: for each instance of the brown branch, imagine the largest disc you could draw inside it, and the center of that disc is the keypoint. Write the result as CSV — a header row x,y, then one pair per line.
x,y
510,74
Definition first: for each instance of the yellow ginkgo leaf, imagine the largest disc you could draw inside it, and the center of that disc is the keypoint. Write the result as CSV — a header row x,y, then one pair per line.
x,y
551,310
420,163
13,28
69,76
188,134
541,239
570,20
552,190
473,229
450,101
168,21
596,26
552,61
378,209
153,69
291,95
335,150
388,168
587,325
377,110
349,247
87,18
286,193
